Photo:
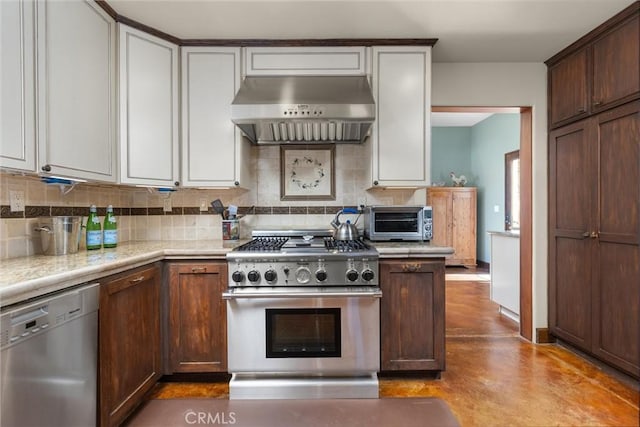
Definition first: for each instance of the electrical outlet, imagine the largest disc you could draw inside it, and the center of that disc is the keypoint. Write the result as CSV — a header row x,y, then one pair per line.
x,y
496,208
362,201
166,206
17,201
204,206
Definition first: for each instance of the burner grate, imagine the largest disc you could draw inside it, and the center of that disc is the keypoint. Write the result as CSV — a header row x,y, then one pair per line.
x,y
263,244
344,245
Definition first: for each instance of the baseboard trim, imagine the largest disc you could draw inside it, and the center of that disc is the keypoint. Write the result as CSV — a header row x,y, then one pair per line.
x,y
543,336
483,265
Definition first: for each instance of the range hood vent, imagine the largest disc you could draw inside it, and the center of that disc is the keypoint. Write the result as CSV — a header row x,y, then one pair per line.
x,y
304,109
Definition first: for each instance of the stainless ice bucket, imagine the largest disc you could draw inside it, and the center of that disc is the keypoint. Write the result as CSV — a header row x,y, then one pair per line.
x,y
60,235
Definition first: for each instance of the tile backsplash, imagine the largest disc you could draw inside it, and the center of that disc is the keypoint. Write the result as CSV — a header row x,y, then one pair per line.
x,y
140,211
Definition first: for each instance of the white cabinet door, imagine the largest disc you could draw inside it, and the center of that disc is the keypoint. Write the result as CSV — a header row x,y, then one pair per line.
x,y
17,79
76,90
334,60
401,136
148,109
214,154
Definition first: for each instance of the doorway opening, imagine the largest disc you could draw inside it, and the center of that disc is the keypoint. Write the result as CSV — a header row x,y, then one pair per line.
x,y
525,204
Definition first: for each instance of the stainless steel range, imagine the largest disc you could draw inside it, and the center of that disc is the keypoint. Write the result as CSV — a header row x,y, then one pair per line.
x,y
303,317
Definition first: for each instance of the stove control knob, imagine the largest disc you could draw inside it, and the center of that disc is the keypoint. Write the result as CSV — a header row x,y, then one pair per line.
x,y
321,275
303,275
253,276
270,276
352,275
367,275
237,276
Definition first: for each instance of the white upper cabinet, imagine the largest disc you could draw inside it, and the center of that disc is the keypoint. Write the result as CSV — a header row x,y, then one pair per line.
x,y
17,122
214,154
336,60
401,134
148,109
76,90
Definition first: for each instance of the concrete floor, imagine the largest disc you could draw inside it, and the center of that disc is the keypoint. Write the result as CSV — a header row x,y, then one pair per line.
x,y
495,378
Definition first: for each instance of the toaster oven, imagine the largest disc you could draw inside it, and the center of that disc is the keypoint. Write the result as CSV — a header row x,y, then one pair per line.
x,y
400,223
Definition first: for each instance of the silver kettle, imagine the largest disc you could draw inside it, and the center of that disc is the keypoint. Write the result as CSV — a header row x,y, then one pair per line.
x,y
346,230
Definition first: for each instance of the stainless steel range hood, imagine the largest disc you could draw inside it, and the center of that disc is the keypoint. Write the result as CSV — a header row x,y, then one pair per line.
x,y
304,109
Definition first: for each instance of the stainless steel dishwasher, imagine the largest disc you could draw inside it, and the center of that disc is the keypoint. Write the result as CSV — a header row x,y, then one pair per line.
x,y
48,359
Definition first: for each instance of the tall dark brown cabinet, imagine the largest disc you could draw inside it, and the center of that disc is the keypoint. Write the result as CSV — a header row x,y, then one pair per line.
x,y
594,193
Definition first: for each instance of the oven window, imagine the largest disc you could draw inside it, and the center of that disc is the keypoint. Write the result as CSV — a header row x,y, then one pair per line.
x,y
303,332
396,222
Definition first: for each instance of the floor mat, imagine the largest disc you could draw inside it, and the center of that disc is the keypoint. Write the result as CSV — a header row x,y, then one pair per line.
x,y
406,412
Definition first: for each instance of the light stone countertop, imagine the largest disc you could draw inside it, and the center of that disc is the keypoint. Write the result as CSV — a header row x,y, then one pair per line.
x,y
34,276
411,250
30,277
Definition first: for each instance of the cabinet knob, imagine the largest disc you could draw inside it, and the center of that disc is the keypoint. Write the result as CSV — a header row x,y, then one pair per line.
x,y
136,280
237,183
46,168
199,270
594,235
581,110
597,103
177,183
375,182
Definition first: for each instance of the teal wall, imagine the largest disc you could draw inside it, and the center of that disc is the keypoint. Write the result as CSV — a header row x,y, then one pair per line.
x,y
450,152
478,153
491,140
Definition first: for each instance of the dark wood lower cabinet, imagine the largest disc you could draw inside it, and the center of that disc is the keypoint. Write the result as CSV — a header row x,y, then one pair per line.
x,y
197,317
412,315
129,343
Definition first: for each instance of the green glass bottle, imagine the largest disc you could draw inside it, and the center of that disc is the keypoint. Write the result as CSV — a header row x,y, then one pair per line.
x,y
110,233
94,230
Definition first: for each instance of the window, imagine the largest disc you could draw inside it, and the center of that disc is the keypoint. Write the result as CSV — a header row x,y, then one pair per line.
x,y
512,190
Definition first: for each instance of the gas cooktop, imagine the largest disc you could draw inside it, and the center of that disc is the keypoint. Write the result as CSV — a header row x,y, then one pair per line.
x,y
282,243
305,244
302,257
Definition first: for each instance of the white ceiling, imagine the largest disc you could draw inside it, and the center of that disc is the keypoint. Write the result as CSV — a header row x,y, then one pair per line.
x,y
440,119
468,30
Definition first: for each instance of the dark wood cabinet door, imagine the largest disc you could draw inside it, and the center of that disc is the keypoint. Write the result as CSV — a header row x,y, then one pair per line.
x,y
568,88
130,353
571,208
412,315
616,291
616,66
197,317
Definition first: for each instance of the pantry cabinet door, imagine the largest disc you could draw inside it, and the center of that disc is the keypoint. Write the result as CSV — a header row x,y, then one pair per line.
x,y
148,109
17,133
76,90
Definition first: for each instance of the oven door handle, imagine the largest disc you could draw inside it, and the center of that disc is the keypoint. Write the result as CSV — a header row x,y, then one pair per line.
x,y
233,294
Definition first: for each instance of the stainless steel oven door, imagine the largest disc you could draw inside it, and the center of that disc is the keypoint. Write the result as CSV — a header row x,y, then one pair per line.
x,y
304,331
